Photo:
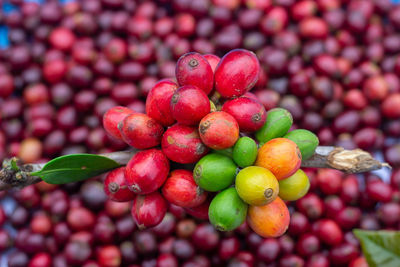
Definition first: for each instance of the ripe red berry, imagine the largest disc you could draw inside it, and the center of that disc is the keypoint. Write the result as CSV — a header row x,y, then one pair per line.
x,y
6,85
193,69
299,224
112,118
158,102
80,219
219,130
274,21
167,260
390,106
307,245
228,247
213,60
376,88
140,131
116,50
343,254
41,224
54,70
348,218
333,205
116,187
189,105
41,259
148,210
180,189
62,38
329,232
329,181
109,256
249,113
358,262
389,213
182,144
200,212
236,73
326,64
313,28
395,179
310,205
379,191
147,171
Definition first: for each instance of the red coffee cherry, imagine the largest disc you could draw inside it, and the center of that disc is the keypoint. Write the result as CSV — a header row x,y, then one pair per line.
x,y
189,105
182,144
180,189
249,113
193,69
147,171
158,102
148,210
140,131
219,130
116,187
112,118
236,73
213,60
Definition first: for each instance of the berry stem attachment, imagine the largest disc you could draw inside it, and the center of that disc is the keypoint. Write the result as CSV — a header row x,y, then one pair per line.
x,y
15,174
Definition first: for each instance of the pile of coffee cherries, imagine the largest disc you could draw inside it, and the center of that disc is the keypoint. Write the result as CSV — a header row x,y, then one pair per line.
x,y
334,65
216,136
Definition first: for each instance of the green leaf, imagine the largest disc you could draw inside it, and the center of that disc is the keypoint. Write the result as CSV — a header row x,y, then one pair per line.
x,y
75,167
381,248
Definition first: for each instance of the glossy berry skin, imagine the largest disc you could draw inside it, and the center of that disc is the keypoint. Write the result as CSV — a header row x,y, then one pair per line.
x,y
200,212
6,85
329,181
167,260
236,73
116,187
189,105
379,191
140,131
333,205
182,144
390,106
205,237
349,218
112,118
213,60
219,130
109,256
228,248
193,69
41,259
307,245
62,39
249,113
148,210
147,171
350,190
299,224
329,232
343,253
180,189
310,205
318,260
158,102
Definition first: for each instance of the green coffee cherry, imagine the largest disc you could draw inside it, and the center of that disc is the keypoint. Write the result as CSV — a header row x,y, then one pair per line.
x,y
278,122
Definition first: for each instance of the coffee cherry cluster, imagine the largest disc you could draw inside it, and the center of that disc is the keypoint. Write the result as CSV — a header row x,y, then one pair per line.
x,y
204,133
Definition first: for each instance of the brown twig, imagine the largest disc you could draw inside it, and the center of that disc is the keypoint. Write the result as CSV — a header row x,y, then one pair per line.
x,y
349,161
